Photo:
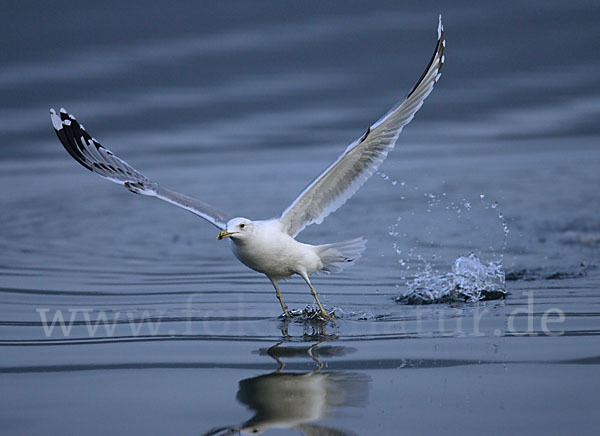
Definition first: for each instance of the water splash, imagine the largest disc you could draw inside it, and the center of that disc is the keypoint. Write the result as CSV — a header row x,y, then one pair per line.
x,y
471,280
426,241
311,312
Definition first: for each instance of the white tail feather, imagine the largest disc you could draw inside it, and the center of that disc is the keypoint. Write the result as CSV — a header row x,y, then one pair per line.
x,y
337,256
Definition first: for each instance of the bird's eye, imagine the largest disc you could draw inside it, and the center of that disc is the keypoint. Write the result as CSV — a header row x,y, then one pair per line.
x,y
242,226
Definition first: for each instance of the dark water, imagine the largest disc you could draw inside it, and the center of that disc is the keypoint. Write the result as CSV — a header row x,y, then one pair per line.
x,y
241,104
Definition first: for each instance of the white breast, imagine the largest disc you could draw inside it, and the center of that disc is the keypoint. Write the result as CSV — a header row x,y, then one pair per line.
x,y
275,253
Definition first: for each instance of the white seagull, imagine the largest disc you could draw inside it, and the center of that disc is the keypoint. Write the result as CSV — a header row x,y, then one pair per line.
x,y
269,246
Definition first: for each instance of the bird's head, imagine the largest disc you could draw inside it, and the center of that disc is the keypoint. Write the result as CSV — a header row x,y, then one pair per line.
x,y
237,229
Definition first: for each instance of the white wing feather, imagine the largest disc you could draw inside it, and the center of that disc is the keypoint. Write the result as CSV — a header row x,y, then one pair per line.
x,y
93,156
361,159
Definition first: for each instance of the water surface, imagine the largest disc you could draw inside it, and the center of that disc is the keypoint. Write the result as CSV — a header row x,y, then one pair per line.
x,y
241,105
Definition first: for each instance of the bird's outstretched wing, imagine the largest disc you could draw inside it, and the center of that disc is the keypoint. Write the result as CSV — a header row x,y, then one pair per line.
x,y
89,153
361,159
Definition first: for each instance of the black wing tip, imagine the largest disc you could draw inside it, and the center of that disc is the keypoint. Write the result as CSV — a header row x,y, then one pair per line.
x,y
71,135
59,119
440,47
89,153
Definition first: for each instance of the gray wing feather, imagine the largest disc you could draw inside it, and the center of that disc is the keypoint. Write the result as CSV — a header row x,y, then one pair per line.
x,y
361,159
93,156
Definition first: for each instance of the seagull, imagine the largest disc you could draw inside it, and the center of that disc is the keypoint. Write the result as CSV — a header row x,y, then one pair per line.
x,y
296,400
270,246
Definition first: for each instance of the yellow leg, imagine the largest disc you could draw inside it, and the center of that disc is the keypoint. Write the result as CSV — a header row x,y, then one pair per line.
x,y
314,294
271,352
283,306
314,358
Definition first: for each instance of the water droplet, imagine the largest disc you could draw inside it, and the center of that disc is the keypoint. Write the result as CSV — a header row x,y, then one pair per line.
x,y
470,280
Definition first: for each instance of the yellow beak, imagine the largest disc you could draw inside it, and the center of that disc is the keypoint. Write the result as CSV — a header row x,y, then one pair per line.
x,y
224,234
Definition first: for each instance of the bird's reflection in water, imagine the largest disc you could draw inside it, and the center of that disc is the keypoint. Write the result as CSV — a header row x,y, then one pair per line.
x,y
295,400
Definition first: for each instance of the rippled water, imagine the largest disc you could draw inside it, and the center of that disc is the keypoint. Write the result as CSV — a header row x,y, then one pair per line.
x,y
241,104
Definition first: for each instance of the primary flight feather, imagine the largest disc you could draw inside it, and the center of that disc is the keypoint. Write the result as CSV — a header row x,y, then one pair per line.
x,y
268,246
